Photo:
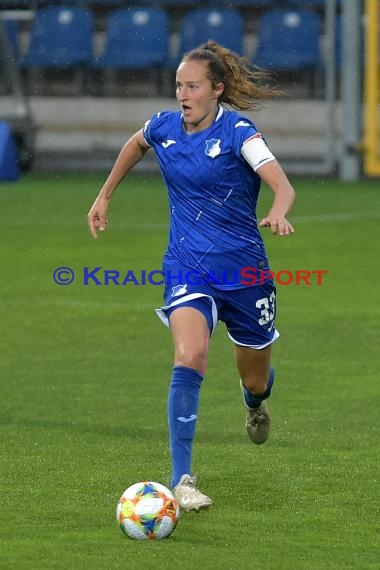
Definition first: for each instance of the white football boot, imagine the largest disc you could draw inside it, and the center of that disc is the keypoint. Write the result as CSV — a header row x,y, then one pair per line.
x,y
189,497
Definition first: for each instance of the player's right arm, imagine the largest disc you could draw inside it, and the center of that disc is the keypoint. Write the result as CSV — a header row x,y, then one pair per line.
x,y
133,151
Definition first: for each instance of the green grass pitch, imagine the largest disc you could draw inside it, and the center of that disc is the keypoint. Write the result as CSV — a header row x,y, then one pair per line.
x,y
84,379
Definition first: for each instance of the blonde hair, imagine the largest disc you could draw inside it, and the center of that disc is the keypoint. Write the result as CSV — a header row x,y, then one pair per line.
x,y
241,88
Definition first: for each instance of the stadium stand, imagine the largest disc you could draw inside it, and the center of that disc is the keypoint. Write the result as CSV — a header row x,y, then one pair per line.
x,y
65,129
60,37
288,40
197,26
111,51
338,41
309,4
255,4
11,28
135,39
9,168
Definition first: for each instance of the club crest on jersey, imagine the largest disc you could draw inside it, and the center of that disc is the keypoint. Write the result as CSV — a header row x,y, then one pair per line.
x,y
213,148
179,290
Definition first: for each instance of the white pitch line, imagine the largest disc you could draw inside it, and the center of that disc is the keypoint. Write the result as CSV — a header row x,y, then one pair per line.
x,y
336,217
312,218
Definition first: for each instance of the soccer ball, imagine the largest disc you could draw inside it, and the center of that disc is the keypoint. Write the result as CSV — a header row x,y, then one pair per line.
x,y
147,511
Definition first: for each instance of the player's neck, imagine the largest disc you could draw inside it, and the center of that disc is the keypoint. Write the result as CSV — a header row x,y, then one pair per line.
x,y
202,124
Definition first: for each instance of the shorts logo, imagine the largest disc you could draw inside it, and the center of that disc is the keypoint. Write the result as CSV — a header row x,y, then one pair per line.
x,y
179,290
213,148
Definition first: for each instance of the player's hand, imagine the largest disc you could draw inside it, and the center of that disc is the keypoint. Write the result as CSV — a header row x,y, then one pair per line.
x,y
97,218
277,224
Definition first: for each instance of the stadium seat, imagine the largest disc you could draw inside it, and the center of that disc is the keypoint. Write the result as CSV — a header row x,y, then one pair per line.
x,y
338,41
15,4
11,30
308,4
177,3
257,4
288,40
9,167
60,37
194,4
198,26
136,38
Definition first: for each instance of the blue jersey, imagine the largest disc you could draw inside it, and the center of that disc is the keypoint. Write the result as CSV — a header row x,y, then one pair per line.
x,y
213,193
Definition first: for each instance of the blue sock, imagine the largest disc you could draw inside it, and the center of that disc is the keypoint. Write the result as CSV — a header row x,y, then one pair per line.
x,y
182,415
254,401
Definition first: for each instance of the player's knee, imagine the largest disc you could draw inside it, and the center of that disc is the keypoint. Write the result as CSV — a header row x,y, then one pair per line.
x,y
256,383
192,357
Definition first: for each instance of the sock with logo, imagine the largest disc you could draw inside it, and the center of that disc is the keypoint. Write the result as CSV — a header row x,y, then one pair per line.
x,y
254,400
182,416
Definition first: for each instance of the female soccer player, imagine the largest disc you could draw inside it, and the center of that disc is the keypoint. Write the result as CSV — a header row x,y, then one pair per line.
x,y
212,161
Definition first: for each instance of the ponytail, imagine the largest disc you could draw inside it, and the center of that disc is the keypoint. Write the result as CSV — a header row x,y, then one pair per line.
x,y
242,89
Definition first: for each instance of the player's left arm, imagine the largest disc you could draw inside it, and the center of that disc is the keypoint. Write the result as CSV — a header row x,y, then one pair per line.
x,y
284,196
255,151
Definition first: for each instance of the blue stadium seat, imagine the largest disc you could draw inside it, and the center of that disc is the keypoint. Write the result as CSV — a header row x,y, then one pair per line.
x,y
136,38
9,166
12,30
60,37
177,3
223,26
250,3
194,4
338,41
308,4
288,40
15,4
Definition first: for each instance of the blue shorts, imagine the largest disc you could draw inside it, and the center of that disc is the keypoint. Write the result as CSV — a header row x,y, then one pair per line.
x,y
248,313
